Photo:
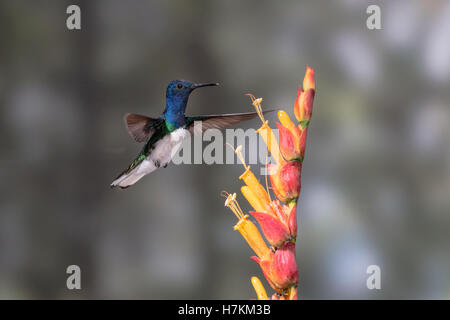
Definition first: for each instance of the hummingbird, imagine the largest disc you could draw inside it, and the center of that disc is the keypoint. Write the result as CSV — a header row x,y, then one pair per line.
x,y
163,135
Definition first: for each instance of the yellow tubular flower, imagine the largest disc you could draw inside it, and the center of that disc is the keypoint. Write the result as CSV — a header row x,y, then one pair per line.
x,y
286,121
254,201
247,229
259,289
257,189
254,192
271,142
251,234
266,132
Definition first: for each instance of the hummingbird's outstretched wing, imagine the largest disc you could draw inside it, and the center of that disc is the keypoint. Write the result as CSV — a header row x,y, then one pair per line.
x,y
220,121
140,127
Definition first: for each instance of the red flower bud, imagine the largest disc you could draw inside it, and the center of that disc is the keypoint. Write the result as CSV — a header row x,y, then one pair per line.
x,y
274,230
287,143
306,104
284,272
285,180
280,269
290,174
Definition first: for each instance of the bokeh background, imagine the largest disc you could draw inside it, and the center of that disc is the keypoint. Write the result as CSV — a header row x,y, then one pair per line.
x,y
376,179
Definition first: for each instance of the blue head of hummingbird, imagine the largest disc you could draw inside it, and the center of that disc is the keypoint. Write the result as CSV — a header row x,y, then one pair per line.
x,y
164,135
177,96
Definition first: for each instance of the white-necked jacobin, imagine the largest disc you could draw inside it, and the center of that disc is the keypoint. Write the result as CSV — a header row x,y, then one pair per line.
x,y
164,135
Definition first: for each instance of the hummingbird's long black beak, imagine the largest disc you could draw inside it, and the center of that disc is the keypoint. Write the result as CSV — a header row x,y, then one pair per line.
x,y
199,85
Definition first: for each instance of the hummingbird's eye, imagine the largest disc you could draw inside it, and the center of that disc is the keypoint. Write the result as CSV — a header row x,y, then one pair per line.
x,y
179,86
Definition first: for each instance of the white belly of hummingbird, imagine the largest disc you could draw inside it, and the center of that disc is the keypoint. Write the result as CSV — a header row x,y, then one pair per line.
x,y
160,156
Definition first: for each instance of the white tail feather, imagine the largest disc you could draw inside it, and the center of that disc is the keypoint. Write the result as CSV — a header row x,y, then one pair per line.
x,y
128,179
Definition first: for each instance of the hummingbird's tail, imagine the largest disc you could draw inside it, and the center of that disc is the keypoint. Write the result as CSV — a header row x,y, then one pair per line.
x,y
124,180
140,167
129,176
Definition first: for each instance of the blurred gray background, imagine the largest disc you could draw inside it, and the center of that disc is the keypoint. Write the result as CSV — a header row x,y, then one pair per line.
x,y
376,179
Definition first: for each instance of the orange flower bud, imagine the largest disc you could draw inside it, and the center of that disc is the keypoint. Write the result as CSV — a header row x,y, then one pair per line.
x,y
304,102
296,131
290,144
308,81
285,180
306,105
287,144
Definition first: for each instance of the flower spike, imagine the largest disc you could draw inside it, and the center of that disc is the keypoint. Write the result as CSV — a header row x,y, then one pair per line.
x,y
277,218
